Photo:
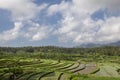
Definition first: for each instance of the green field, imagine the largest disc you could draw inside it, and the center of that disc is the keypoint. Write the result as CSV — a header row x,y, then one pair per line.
x,y
64,70
58,66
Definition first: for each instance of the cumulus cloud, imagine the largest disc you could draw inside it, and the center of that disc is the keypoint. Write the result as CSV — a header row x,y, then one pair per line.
x,y
37,32
92,5
110,30
12,33
78,26
22,11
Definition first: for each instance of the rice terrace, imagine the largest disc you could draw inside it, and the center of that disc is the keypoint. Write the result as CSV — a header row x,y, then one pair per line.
x,y
57,63
59,39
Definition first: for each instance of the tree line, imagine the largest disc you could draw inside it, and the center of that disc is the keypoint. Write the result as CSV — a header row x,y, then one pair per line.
x,y
107,50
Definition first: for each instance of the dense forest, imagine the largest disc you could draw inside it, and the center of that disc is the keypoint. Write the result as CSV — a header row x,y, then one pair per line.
x,y
52,52
108,50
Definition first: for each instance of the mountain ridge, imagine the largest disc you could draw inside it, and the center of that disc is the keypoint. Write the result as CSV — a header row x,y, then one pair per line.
x,y
90,45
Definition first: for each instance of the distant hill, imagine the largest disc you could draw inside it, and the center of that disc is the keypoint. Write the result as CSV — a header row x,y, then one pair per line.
x,y
89,45
115,43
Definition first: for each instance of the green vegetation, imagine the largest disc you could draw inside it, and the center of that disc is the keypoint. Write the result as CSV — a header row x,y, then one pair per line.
x,y
86,77
56,63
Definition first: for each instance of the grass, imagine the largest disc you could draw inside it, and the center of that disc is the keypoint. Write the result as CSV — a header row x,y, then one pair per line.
x,y
108,71
54,77
85,77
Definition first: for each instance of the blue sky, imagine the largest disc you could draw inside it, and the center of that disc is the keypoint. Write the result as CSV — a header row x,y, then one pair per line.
x,y
58,22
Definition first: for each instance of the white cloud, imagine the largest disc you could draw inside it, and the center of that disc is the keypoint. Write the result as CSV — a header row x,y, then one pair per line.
x,y
37,32
21,9
12,33
110,30
58,7
92,5
77,26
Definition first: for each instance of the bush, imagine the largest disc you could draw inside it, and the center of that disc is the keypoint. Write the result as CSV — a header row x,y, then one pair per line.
x,y
15,71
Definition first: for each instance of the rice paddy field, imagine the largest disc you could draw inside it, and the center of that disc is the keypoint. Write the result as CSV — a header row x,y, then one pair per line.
x,y
48,69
